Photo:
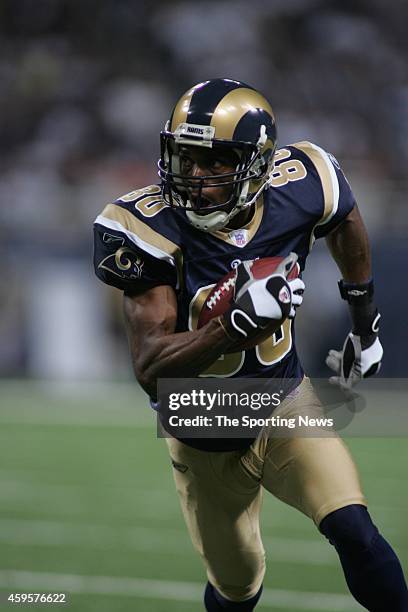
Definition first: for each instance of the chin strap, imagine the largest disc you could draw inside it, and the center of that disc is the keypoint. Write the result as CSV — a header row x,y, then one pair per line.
x,y
210,222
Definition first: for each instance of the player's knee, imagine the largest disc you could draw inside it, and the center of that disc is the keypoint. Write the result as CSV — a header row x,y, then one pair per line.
x,y
243,583
215,601
349,528
237,576
238,593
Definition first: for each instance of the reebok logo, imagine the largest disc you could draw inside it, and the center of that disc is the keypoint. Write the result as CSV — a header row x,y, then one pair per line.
x,y
109,238
180,467
356,292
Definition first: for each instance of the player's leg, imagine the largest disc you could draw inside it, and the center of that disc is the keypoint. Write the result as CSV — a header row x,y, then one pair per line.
x,y
221,504
318,476
320,480
371,567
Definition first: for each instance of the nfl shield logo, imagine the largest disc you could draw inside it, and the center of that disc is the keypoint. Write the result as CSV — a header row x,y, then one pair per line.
x,y
239,237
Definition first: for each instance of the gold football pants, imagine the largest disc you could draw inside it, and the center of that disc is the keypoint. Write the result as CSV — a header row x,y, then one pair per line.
x,y
221,492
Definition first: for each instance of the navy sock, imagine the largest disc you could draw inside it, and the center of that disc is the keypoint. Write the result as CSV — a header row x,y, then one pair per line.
x,y
372,570
215,602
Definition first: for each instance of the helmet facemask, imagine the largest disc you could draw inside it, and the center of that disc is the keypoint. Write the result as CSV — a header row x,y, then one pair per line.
x,y
177,188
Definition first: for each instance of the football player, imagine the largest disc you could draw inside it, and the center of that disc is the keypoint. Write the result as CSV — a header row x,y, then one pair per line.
x,y
228,196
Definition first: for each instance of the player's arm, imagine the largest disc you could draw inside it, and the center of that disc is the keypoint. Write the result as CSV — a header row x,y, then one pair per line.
x,y
151,316
350,248
157,351
362,351
339,221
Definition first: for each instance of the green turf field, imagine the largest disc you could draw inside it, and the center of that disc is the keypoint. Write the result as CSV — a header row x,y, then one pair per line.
x,y
88,508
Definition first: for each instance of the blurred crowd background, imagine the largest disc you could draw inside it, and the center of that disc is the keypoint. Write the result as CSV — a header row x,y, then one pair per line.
x,y
86,86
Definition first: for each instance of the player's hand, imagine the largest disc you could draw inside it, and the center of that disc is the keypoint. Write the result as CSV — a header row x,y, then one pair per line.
x,y
259,302
360,358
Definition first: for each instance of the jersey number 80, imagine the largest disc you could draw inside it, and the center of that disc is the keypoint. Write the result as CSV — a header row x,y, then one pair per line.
x,y
267,353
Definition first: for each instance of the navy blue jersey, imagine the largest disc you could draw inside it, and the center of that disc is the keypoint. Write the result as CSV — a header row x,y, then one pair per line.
x,y
139,238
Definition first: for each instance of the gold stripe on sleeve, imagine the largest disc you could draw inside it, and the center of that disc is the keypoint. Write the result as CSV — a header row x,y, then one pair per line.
x,y
324,175
326,179
142,230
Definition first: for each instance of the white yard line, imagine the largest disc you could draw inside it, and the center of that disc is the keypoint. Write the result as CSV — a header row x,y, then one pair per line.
x,y
82,404
141,417
164,589
15,486
71,420
23,532
148,539
21,387
69,499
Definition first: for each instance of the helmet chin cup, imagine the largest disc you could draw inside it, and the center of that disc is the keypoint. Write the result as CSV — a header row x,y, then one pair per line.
x,y
210,222
213,221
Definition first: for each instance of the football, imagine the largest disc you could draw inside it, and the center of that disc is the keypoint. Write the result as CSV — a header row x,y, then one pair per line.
x,y
220,297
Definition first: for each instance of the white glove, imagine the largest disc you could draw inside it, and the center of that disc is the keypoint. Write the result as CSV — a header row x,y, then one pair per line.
x,y
358,359
258,302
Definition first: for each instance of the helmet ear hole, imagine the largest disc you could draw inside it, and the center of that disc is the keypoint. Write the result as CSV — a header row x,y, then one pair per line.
x,y
260,166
